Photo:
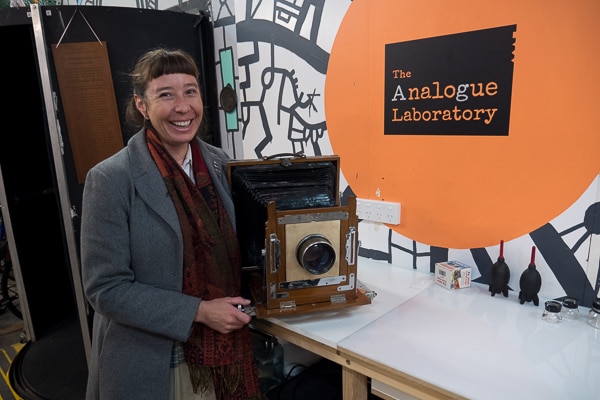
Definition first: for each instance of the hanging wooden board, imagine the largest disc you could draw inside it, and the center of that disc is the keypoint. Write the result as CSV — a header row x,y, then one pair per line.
x,y
89,103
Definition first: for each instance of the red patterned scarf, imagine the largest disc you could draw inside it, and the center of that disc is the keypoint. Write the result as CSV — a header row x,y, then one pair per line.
x,y
211,269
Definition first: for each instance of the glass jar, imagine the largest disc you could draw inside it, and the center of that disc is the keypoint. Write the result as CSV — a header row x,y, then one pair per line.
x,y
570,308
552,310
594,314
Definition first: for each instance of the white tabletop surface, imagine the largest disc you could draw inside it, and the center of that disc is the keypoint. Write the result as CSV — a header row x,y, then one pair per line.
x,y
464,340
393,286
483,347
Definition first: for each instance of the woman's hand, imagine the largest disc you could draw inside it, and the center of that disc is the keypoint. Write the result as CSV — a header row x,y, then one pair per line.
x,y
223,315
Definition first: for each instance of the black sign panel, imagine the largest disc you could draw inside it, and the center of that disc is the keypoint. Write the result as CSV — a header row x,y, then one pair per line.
x,y
459,84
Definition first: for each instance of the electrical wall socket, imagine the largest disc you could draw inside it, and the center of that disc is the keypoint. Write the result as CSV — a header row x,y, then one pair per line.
x,y
378,211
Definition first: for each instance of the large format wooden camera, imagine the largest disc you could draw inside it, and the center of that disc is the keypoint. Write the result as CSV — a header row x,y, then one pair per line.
x,y
299,245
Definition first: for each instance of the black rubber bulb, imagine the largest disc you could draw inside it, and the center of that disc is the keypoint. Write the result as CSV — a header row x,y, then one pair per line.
x,y
500,274
530,282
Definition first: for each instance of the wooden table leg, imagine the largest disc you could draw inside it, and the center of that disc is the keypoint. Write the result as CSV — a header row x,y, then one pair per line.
x,y
354,385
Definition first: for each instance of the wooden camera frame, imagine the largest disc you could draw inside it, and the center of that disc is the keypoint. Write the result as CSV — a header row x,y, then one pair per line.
x,y
283,284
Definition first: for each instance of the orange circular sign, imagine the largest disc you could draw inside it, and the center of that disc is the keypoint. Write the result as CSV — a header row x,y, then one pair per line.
x,y
465,191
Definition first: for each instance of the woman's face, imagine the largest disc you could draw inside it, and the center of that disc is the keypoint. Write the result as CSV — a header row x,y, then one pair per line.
x,y
174,106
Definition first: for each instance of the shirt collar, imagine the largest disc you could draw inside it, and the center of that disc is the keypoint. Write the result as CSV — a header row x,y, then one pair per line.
x,y
187,162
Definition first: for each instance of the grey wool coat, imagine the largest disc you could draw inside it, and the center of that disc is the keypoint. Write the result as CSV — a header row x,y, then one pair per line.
x,y
132,257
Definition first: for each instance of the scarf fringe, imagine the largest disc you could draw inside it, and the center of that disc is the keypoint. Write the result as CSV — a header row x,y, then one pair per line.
x,y
227,379
200,377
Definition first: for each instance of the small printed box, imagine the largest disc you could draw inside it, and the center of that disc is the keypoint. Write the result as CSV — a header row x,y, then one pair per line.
x,y
452,274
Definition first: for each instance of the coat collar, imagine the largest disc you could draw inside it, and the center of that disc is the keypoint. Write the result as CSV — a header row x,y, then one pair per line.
x,y
150,184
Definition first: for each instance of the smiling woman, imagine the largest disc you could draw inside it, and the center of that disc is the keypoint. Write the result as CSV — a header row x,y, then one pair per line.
x,y
166,323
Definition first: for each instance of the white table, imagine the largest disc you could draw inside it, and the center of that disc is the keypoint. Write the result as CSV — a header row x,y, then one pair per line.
x,y
431,342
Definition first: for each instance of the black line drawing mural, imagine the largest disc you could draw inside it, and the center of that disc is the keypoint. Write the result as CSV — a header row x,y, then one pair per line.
x,y
560,257
300,132
90,3
296,109
223,8
147,4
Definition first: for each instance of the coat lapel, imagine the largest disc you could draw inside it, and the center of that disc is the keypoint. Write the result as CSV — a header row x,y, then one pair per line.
x,y
148,182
